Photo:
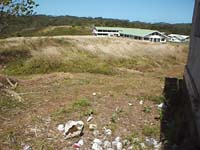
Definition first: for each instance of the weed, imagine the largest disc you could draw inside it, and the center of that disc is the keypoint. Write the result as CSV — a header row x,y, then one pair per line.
x,y
150,131
81,103
147,109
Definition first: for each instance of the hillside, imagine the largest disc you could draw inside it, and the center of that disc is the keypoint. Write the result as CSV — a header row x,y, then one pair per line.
x,y
30,25
119,81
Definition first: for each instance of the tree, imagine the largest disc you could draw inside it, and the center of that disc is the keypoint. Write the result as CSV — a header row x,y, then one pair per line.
x,y
12,8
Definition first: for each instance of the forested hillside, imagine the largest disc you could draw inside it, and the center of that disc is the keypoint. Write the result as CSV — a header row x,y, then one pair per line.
x,y
30,25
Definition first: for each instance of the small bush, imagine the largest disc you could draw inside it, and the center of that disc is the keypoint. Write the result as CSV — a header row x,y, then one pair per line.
x,y
14,54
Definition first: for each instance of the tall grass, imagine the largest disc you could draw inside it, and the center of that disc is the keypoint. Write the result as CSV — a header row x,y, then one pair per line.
x,y
54,55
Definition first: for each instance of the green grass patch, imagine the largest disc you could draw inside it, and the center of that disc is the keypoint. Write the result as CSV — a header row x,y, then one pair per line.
x,y
81,103
151,131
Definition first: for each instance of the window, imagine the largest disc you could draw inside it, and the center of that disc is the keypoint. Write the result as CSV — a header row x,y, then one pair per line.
x,y
197,23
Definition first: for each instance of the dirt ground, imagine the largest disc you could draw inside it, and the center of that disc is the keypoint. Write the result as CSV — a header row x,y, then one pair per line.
x,y
55,98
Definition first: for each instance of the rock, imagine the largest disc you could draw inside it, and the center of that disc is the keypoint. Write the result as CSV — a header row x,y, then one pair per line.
x,y
117,145
150,142
142,145
126,142
89,118
107,132
118,139
96,133
73,129
157,146
136,140
107,145
93,126
130,148
61,127
96,144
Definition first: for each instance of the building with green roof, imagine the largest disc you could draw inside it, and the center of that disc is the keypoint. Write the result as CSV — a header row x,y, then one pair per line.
x,y
134,33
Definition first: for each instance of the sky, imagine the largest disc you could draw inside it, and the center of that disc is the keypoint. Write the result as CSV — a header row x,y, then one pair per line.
x,y
152,11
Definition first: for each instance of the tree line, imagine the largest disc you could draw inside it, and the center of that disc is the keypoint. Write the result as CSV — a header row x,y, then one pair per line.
x,y
35,22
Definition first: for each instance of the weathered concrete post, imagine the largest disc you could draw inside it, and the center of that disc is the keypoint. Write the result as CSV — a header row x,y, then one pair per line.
x,y
192,71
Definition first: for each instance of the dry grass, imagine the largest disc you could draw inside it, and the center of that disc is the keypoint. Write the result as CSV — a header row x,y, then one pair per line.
x,y
87,54
115,69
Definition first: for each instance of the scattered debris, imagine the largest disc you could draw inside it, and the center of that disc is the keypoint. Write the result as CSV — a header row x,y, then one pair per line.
x,y
143,146
130,104
160,106
107,132
73,129
107,145
27,147
136,140
93,126
158,146
150,141
126,142
94,94
13,86
96,144
96,133
141,102
79,144
89,118
13,94
117,144
61,127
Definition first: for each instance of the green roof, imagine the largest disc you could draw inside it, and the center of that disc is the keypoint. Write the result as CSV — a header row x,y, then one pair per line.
x,y
129,31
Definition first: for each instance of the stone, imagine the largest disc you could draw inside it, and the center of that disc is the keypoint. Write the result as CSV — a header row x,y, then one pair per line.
x,y
107,145
96,144
150,142
92,126
96,133
126,142
142,145
118,139
107,132
73,129
119,146
61,127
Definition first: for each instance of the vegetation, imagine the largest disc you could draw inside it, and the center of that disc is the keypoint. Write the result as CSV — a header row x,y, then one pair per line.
x,y
33,25
11,8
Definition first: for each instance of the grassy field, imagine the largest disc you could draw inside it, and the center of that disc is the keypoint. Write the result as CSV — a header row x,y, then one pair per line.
x,y
53,31
57,77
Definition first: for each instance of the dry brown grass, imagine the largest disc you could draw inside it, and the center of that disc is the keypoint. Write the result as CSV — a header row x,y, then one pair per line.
x,y
49,99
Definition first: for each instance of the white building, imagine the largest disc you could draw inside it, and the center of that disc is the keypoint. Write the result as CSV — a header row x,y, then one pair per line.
x,y
135,33
178,38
